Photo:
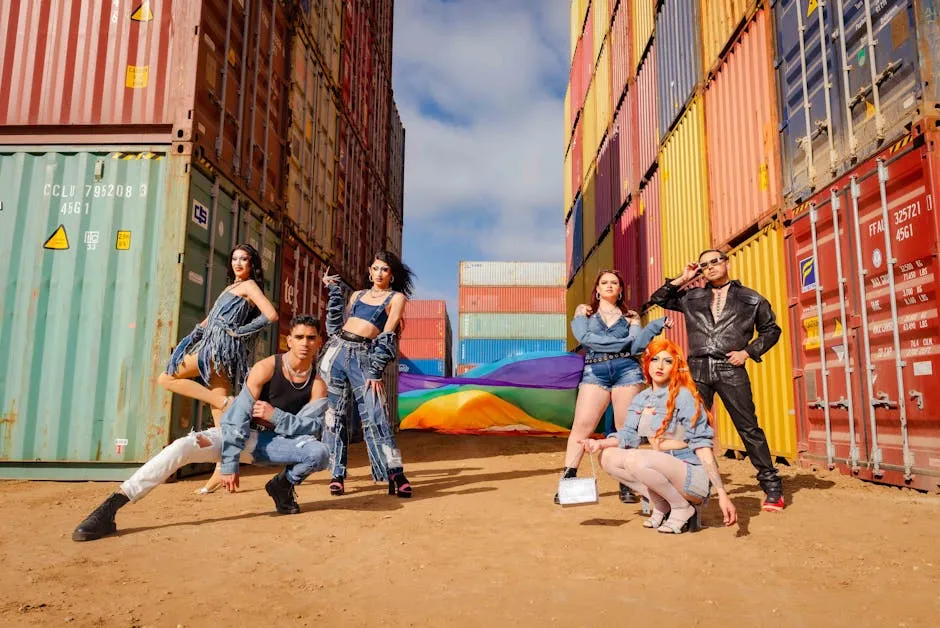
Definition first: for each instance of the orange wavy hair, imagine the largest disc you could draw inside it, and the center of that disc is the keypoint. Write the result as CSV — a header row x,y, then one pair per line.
x,y
679,378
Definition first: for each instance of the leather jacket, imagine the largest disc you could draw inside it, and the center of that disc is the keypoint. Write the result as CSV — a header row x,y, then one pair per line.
x,y
745,310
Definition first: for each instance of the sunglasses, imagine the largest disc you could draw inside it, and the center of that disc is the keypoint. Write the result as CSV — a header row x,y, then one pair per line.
x,y
712,262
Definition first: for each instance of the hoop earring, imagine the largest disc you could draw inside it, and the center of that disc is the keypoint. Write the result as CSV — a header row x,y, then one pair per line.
x,y
598,295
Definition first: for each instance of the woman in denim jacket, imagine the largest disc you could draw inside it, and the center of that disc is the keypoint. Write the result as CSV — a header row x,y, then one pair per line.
x,y
355,357
219,349
612,337
677,473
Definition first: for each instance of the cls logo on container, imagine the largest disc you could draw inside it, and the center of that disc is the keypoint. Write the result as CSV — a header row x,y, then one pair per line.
x,y
807,274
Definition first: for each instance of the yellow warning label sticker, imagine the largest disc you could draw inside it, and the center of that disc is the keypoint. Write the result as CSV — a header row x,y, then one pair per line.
x,y
811,325
142,13
123,242
58,241
137,76
839,329
869,110
812,6
763,177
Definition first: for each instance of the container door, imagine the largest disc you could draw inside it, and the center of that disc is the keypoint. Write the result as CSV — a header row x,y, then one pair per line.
x,y
254,230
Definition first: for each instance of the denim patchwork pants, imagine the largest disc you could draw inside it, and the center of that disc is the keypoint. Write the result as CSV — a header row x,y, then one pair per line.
x,y
343,367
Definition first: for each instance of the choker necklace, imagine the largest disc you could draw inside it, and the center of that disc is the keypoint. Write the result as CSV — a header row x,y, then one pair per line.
x,y
297,374
374,292
721,286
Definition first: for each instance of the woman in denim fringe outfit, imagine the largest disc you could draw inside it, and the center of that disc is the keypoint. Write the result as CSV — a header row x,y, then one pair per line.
x,y
612,337
355,357
219,349
677,473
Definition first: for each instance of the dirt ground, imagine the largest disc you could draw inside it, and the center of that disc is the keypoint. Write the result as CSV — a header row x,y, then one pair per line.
x,y
480,544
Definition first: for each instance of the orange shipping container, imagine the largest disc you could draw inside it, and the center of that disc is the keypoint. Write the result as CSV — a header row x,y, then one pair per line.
x,y
621,65
512,299
423,348
741,130
425,308
423,328
463,368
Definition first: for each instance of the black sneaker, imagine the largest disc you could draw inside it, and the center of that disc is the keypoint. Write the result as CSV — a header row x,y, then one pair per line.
x,y
627,496
100,522
773,503
282,492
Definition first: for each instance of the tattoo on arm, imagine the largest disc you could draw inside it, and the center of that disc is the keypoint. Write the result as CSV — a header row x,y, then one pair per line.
x,y
711,467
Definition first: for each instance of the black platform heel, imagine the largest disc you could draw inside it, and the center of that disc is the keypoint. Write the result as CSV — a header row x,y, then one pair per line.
x,y
398,484
337,486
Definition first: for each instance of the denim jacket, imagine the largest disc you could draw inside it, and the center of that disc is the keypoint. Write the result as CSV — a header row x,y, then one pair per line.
x,y
236,423
697,436
596,337
382,349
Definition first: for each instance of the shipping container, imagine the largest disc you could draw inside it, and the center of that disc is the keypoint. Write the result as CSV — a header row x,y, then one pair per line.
x,y
603,198
512,274
510,326
621,61
678,59
139,76
684,192
323,21
512,299
720,20
395,177
744,185
753,263
148,236
649,229
567,192
677,333
602,107
589,212
577,159
569,246
865,322
264,234
605,253
423,328
568,124
424,348
644,21
647,126
626,240
589,143
601,17
577,235
422,367
489,350
393,232
425,308
573,298
575,22
463,368
301,290
624,142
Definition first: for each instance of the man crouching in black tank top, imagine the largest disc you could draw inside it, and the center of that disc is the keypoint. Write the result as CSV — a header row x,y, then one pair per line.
x,y
276,420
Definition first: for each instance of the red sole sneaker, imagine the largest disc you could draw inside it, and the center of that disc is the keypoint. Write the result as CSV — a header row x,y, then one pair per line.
x,y
773,506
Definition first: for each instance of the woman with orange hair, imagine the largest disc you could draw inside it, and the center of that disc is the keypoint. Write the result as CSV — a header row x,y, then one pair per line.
x,y
677,473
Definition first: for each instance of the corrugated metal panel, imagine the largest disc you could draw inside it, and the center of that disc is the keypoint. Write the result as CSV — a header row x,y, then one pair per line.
x,y
425,308
463,368
415,328
719,21
679,58
644,19
393,232
265,236
587,37
677,333
421,367
603,200
532,299
627,257
647,116
569,246
621,62
605,252
489,350
577,159
512,274
568,120
601,24
772,379
423,348
572,299
301,291
602,93
577,235
649,217
574,23
589,145
120,224
684,192
547,326
324,22
741,129
589,212
625,176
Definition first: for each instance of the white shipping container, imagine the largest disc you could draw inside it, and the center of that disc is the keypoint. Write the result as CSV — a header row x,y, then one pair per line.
x,y
509,326
512,273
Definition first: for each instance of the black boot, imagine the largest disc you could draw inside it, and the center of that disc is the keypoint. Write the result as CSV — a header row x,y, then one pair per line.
x,y
567,472
101,521
282,492
627,495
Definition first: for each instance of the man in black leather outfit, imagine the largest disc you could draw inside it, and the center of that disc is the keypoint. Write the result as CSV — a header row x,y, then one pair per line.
x,y
721,319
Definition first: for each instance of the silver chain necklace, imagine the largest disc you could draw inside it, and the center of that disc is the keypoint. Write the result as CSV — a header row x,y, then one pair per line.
x,y
295,374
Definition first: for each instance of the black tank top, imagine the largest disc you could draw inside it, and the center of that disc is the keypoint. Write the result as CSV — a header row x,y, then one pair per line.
x,y
284,395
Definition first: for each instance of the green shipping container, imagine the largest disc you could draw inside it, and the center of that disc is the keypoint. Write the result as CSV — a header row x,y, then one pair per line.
x,y
113,255
540,326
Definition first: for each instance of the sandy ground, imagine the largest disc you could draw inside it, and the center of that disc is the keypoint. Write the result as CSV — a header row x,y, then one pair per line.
x,y
480,544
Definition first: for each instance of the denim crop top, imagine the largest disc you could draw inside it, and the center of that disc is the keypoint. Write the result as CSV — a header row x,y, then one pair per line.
x,y
374,314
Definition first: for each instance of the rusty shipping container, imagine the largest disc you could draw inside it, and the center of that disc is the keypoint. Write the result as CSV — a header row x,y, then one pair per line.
x,y
865,320
212,73
744,182
301,290
322,21
396,161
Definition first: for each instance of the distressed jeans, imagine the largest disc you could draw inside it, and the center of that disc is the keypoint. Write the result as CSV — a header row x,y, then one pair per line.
x,y
343,367
302,455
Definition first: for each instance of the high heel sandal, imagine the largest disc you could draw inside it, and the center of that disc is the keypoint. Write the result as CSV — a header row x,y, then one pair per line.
x,y
655,520
398,484
337,486
692,524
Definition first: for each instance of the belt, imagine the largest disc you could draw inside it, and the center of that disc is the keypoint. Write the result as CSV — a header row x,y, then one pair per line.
x,y
604,357
351,337
260,428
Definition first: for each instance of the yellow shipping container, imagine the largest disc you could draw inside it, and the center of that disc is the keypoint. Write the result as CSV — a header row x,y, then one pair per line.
x,y
719,21
591,267
566,134
602,94
643,22
755,263
605,252
574,297
601,25
589,143
588,210
568,193
683,192
324,24
574,23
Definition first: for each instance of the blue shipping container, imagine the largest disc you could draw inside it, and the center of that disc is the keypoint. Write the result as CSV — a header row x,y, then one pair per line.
x,y
422,367
577,245
478,351
679,62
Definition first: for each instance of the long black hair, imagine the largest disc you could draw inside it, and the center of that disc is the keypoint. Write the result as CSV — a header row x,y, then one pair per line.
x,y
402,275
257,273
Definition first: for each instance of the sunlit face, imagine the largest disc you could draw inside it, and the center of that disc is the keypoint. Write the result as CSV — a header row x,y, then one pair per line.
x,y
661,368
714,266
381,274
609,287
241,264
304,341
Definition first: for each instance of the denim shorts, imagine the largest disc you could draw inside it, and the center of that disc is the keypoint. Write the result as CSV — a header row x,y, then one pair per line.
x,y
696,481
613,373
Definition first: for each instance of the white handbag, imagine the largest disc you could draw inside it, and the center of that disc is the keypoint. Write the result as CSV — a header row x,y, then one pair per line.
x,y
578,491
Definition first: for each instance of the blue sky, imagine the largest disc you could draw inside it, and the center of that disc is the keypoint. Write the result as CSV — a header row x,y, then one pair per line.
x,y
480,86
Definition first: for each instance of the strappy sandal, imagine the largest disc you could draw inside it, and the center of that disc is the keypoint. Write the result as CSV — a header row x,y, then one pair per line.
x,y
337,487
674,527
655,520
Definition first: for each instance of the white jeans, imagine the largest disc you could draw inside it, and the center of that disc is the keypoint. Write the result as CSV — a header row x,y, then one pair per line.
x,y
179,453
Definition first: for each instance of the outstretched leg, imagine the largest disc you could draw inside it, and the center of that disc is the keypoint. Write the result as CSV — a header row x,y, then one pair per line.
x,y
182,383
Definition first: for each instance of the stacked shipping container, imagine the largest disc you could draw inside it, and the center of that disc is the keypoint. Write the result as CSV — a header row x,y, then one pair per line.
x,y
779,168
426,340
509,308
147,141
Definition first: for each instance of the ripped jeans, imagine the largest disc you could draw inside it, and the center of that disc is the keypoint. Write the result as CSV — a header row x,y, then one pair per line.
x,y
343,366
301,454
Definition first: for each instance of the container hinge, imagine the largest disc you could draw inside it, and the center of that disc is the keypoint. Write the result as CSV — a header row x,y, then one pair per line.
x,y
881,400
918,398
841,403
876,461
816,405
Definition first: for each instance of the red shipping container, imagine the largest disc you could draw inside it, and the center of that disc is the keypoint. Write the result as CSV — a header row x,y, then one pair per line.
x,y
603,203
577,160
423,328
866,323
463,368
627,257
647,125
425,308
621,48
628,178
649,218
423,348
301,288
511,300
